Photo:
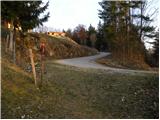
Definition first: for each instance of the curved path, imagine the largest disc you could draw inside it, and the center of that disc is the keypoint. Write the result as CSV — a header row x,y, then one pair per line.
x,y
89,62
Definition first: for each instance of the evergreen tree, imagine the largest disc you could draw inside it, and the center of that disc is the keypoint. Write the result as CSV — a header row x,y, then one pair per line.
x,y
153,58
108,15
122,31
91,36
101,43
156,48
24,14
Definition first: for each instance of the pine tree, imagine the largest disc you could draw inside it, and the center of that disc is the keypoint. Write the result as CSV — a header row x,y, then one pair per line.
x,y
91,36
153,58
101,43
24,14
124,36
156,48
108,15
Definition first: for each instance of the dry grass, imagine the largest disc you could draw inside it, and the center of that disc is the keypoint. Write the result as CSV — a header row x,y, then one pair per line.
x,y
70,92
56,48
128,64
63,47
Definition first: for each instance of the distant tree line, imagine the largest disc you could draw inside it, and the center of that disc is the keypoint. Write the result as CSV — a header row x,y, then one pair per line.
x,y
90,37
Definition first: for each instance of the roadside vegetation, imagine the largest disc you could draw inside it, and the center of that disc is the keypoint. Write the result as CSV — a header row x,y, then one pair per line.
x,y
109,61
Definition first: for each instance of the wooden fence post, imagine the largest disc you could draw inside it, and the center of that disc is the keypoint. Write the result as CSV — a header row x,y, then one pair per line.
x,y
14,46
11,41
7,41
33,67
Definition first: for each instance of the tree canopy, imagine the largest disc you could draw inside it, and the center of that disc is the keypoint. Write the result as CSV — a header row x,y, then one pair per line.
x,y
24,13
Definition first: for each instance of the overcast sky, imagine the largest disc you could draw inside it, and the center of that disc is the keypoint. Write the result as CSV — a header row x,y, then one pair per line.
x,y
66,14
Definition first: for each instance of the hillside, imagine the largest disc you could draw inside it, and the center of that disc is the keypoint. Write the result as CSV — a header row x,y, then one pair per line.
x,y
71,92
56,47
132,64
61,47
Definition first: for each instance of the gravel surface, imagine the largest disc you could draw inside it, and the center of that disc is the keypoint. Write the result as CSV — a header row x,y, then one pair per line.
x,y
89,62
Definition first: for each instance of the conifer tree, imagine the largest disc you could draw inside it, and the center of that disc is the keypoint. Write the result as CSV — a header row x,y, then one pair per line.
x,y
24,14
91,36
101,43
124,29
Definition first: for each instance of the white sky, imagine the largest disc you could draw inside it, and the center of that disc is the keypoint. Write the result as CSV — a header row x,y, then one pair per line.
x,y
66,14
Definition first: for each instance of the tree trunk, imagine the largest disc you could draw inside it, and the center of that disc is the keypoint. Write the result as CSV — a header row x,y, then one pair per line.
x,y
141,21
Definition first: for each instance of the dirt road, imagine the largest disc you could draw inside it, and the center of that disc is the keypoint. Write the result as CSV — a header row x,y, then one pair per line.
x,y
89,62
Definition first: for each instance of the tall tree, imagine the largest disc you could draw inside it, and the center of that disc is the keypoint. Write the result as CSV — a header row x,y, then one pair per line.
x,y
153,58
156,48
91,36
124,30
101,43
107,14
24,14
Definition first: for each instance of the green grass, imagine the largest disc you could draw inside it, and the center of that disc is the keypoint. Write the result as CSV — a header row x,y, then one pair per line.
x,y
70,92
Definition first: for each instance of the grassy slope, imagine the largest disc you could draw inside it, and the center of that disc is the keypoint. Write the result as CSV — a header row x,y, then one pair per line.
x,y
110,61
70,92
60,47
56,47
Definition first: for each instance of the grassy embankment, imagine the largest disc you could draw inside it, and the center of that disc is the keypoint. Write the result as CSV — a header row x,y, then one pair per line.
x,y
56,46
116,63
70,92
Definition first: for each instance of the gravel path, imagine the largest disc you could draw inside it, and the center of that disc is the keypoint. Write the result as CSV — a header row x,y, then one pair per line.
x,y
89,62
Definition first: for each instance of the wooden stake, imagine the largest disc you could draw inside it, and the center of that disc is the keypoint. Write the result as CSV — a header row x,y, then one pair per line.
x,y
14,46
33,67
11,41
14,52
7,41
42,68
